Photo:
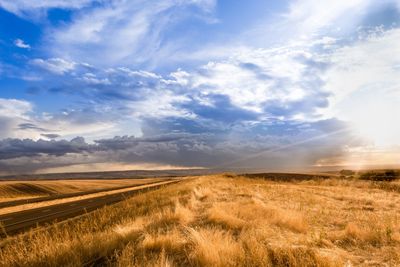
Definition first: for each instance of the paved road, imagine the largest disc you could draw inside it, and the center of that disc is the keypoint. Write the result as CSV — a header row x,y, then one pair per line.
x,y
16,222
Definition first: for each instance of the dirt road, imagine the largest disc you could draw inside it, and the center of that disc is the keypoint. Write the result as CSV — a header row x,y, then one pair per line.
x,y
16,222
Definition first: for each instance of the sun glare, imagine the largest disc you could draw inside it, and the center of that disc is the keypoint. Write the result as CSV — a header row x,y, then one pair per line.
x,y
376,121
379,127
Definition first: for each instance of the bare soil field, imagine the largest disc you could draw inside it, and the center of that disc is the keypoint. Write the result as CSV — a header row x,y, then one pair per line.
x,y
227,220
13,190
137,174
63,198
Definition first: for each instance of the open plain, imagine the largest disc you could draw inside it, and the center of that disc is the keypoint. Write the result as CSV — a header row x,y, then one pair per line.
x,y
227,220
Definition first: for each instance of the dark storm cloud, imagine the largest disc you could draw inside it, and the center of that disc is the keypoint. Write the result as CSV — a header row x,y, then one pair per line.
x,y
14,148
269,144
124,142
266,144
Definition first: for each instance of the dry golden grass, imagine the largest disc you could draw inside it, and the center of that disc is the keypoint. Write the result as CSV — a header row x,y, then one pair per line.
x,y
227,221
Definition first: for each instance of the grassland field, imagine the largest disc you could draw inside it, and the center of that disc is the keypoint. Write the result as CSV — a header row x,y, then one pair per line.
x,y
227,220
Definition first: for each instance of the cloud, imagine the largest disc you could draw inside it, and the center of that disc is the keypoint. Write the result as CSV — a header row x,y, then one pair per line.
x,y
311,16
91,78
123,31
30,9
12,113
21,44
307,20
19,120
246,104
30,126
90,122
269,103
134,93
110,166
180,141
50,136
282,82
15,148
365,78
55,65
14,107
219,108
267,148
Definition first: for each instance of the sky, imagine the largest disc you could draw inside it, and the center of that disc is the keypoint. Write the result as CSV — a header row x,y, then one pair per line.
x,y
94,85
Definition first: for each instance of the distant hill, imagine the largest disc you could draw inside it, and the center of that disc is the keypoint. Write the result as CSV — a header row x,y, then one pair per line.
x,y
108,175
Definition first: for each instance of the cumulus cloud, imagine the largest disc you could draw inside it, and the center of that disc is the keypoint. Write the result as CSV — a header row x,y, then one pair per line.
x,y
21,44
270,82
54,65
284,82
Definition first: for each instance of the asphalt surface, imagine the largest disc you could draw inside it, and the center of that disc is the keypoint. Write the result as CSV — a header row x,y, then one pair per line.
x,y
16,222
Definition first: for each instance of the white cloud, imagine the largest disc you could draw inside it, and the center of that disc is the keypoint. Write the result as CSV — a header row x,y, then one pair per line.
x,y
140,73
160,104
54,65
122,31
365,79
256,79
21,44
70,129
91,78
25,8
180,77
12,113
306,20
310,16
14,107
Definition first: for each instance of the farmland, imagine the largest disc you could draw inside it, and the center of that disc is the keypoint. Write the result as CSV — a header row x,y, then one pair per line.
x,y
227,220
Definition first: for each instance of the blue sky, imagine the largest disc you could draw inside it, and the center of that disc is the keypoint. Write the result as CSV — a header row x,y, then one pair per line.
x,y
106,85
